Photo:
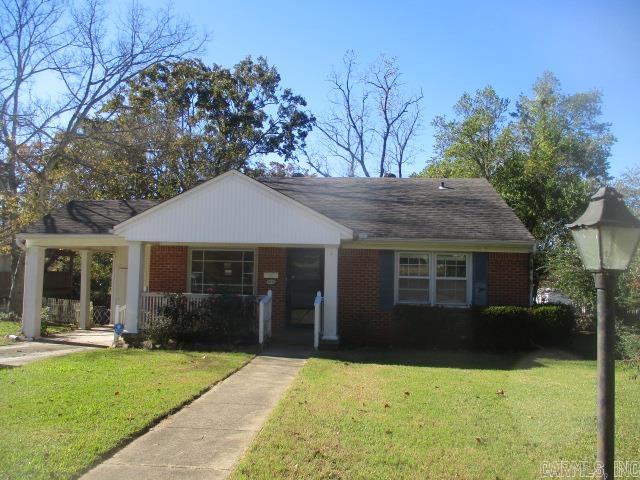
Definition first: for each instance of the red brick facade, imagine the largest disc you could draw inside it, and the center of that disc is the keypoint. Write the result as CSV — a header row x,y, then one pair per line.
x,y
168,269
274,260
508,279
359,315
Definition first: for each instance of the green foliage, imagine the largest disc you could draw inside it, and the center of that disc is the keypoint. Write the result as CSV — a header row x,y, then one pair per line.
x,y
628,343
218,318
179,122
494,327
551,324
545,157
420,325
502,328
9,317
567,275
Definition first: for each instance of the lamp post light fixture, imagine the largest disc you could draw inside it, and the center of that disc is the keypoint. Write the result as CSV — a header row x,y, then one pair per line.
x,y
607,236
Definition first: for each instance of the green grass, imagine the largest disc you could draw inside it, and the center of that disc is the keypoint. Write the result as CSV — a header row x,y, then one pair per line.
x,y
8,328
422,415
58,416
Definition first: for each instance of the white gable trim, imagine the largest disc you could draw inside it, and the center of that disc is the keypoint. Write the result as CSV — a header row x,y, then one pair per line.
x,y
233,200
122,227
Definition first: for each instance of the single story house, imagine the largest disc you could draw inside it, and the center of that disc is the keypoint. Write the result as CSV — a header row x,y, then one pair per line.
x,y
366,244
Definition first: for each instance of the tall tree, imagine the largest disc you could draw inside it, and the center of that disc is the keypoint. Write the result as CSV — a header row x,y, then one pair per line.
x,y
545,160
372,122
179,122
59,63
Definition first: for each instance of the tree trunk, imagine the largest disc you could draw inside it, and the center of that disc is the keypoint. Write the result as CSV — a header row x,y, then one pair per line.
x,y
17,264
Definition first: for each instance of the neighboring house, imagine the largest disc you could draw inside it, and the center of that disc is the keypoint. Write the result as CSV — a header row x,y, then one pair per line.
x,y
365,243
549,295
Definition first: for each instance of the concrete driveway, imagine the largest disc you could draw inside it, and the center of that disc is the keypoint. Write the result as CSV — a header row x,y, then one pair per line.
x,y
21,353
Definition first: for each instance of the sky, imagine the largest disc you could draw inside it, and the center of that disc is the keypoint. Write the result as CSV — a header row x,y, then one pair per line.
x,y
444,48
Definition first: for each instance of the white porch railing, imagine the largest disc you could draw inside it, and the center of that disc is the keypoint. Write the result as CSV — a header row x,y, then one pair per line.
x,y
63,310
120,314
264,317
152,306
318,319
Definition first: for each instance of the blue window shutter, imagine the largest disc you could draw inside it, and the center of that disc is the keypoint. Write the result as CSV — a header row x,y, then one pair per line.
x,y
386,281
480,273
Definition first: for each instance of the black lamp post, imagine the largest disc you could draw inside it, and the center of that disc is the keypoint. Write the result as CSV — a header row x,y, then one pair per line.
x,y
607,236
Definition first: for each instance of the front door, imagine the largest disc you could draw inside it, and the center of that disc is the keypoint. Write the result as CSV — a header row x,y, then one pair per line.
x,y
305,277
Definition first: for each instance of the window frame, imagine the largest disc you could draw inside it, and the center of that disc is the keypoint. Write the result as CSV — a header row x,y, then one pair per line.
x,y
397,278
230,249
433,278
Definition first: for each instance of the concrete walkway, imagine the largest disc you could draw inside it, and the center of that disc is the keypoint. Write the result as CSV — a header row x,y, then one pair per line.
x,y
205,439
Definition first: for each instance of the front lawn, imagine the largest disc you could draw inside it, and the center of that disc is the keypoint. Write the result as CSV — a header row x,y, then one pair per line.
x,y
393,414
58,416
7,328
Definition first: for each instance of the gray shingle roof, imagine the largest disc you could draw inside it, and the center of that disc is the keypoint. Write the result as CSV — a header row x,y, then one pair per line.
x,y
389,208
409,208
89,216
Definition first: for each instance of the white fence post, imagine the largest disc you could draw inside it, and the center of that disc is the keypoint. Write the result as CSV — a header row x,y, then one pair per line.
x,y
317,319
264,317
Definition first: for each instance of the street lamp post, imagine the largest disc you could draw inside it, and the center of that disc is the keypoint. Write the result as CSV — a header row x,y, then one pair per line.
x,y
607,236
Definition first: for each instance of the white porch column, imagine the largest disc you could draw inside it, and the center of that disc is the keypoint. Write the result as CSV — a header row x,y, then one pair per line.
x,y
32,294
118,280
84,322
330,327
135,284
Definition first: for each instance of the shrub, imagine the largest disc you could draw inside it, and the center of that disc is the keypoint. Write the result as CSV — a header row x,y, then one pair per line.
x,y
551,325
218,318
502,328
9,317
628,343
422,325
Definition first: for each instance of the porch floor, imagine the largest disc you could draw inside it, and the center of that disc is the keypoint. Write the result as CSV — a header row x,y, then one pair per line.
x,y
98,336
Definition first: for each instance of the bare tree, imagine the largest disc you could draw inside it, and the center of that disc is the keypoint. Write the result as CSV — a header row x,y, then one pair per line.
x,y
402,149
59,63
370,114
347,130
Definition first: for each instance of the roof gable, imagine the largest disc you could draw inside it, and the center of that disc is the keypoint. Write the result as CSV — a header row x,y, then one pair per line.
x,y
233,208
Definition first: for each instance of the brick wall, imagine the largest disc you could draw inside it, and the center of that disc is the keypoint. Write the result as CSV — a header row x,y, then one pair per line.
x,y
508,279
168,269
359,315
274,260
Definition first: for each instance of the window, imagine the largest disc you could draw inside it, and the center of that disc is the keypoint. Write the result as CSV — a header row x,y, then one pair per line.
x,y
451,279
413,277
432,278
222,271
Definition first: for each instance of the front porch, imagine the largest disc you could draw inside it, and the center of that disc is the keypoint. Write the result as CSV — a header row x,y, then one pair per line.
x,y
144,275
240,229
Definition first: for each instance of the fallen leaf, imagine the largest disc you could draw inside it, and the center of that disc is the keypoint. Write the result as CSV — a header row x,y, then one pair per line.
x,y
386,405
407,394
117,393
500,392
